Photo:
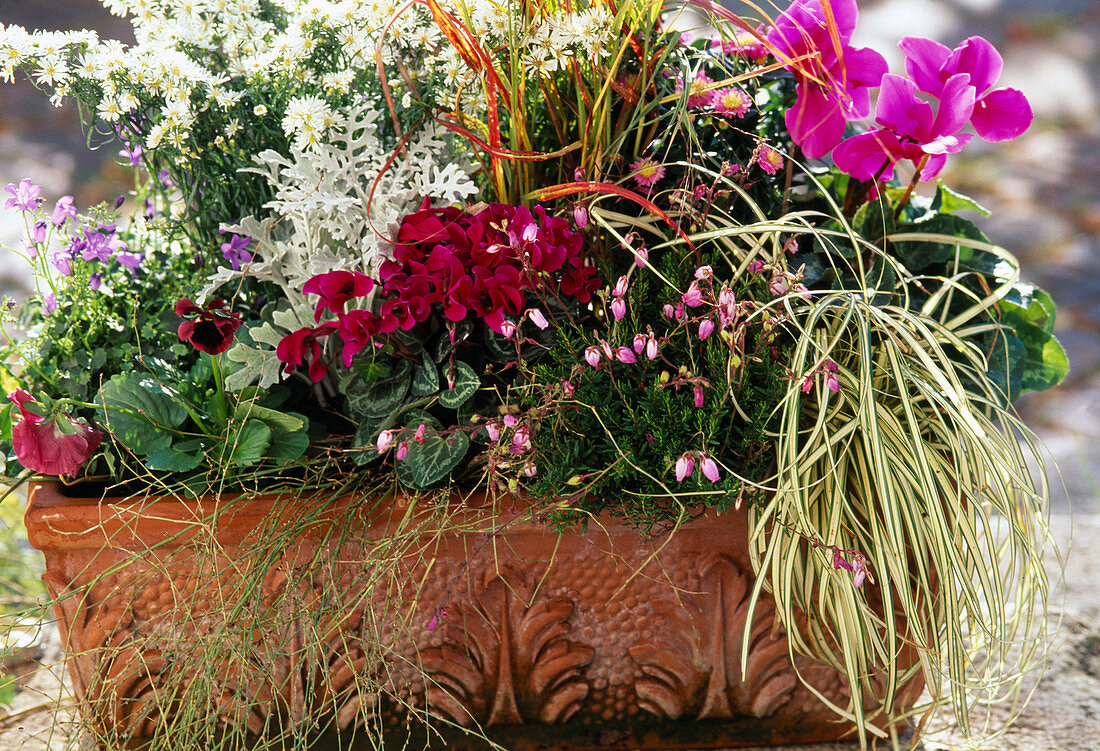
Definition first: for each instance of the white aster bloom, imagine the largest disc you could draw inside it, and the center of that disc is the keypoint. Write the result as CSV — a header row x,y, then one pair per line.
x,y
307,121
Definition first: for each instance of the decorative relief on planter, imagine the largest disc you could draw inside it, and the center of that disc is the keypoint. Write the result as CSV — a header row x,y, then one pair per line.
x,y
590,633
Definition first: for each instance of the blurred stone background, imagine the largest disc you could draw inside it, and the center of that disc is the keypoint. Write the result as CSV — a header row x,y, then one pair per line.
x,y
1043,190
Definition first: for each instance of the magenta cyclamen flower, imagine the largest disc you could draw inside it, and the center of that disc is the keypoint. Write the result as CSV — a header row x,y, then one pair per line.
x,y
999,114
833,84
910,130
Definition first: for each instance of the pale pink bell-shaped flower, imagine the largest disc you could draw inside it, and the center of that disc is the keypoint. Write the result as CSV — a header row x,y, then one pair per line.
x,y
710,469
697,392
639,342
651,348
621,287
693,298
385,440
618,308
626,355
402,450
706,328
580,216
685,465
592,355
537,318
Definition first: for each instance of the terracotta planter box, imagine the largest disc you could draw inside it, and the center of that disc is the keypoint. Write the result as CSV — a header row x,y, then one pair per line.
x,y
566,641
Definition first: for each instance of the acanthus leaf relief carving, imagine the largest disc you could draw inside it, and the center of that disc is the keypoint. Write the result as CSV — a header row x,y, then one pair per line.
x,y
506,658
694,666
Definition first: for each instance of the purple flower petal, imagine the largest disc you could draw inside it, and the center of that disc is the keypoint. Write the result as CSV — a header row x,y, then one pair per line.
x,y
900,110
863,156
1001,114
956,106
924,58
816,122
978,58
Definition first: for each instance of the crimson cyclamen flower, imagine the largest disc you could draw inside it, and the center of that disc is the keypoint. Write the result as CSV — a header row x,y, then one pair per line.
x,y
302,345
336,288
210,329
56,446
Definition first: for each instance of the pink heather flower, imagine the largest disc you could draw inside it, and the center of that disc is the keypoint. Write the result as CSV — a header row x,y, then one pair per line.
x,y
537,318
580,216
840,562
697,392
651,348
385,440
756,267
433,622
770,160
641,255
647,171
693,298
530,469
704,272
419,435
640,342
729,170
621,286
706,328
685,465
860,567
607,350
521,439
402,450
507,328
511,421
626,355
679,312
778,286
710,469
807,384
618,308
831,366
492,428
832,382
668,311
592,355
732,102
568,389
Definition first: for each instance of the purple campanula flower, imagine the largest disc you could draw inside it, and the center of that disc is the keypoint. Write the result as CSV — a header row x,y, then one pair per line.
x,y
132,261
132,154
95,281
24,196
63,211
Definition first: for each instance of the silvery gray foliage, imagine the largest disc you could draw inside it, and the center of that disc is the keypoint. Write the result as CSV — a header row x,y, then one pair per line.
x,y
323,216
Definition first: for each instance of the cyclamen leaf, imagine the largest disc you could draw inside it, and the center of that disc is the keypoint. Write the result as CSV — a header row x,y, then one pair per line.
x,y
141,413
273,417
949,201
466,385
287,445
425,378
432,460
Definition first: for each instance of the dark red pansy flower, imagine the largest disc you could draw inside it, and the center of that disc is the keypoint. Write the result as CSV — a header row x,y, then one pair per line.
x,y
336,288
55,446
210,329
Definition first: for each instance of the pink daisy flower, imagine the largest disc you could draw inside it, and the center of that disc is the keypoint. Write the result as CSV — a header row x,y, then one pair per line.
x,y
770,160
647,171
699,96
732,102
